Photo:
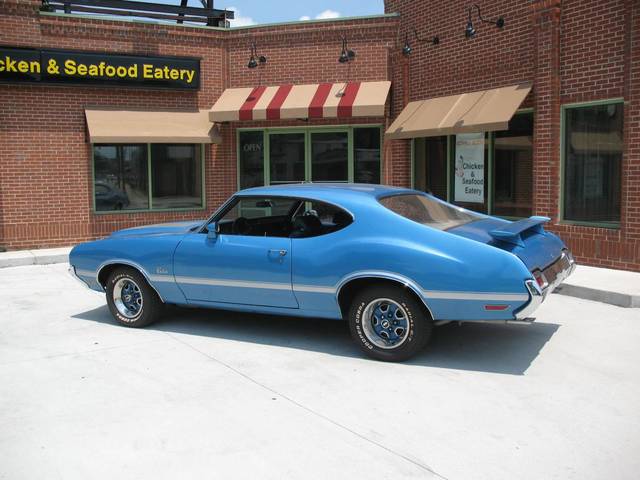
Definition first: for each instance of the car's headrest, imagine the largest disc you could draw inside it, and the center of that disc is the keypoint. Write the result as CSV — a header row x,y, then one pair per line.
x,y
306,226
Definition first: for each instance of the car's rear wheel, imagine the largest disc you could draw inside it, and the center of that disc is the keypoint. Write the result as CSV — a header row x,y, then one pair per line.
x,y
131,300
389,323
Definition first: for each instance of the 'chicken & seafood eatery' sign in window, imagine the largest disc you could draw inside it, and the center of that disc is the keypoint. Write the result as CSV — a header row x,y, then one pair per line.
x,y
68,66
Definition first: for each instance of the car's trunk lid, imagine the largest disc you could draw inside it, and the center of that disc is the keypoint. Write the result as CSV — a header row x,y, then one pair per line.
x,y
525,238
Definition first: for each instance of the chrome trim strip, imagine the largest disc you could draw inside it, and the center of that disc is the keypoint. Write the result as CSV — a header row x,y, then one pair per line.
x,y
489,296
314,289
233,283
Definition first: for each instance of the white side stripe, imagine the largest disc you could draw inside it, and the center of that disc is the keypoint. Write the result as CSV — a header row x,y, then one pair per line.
x,y
233,283
435,294
429,294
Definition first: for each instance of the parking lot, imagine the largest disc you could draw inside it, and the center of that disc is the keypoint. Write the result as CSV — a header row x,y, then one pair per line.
x,y
207,394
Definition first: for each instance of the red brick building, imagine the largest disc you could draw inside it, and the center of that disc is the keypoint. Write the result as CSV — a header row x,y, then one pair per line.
x,y
569,151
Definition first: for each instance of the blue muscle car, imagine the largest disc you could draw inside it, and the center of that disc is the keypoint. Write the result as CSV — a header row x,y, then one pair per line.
x,y
393,262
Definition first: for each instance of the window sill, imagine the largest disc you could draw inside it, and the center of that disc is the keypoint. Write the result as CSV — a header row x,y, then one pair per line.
x,y
159,210
575,223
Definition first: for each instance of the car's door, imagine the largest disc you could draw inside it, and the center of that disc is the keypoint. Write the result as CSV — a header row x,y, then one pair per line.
x,y
249,262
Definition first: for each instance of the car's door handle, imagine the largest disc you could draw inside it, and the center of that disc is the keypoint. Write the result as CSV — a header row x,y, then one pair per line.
x,y
279,251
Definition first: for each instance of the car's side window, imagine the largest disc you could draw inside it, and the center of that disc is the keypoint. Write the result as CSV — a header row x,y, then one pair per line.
x,y
314,218
259,216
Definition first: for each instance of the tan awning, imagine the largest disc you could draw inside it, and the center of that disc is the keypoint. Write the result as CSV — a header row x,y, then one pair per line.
x,y
324,100
482,111
137,126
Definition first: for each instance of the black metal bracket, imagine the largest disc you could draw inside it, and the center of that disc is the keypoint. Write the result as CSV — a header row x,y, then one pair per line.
x,y
129,8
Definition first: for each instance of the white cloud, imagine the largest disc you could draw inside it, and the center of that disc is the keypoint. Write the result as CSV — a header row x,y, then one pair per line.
x,y
328,14
239,20
322,15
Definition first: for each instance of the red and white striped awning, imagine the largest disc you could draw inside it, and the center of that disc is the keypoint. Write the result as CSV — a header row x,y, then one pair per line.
x,y
324,100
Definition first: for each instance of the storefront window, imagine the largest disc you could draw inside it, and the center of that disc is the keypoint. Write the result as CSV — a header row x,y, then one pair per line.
x,y
430,168
251,153
177,176
469,171
329,157
286,152
122,182
366,152
120,173
471,159
513,168
593,146
331,154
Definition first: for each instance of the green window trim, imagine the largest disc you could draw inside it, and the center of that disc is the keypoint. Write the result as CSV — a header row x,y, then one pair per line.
x,y
563,126
490,139
150,189
308,131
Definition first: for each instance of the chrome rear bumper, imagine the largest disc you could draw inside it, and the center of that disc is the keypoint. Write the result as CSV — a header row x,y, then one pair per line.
x,y
554,275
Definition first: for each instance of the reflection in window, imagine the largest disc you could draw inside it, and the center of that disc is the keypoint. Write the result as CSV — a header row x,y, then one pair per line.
x,y
286,152
251,159
513,168
329,157
366,152
430,168
121,177
177,176
593,153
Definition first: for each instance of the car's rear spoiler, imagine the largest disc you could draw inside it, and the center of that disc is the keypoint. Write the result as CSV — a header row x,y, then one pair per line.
x,y
511,232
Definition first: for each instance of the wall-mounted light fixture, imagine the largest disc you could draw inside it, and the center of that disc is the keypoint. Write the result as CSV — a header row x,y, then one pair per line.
x,y
406,50
346,55
256,59
470,31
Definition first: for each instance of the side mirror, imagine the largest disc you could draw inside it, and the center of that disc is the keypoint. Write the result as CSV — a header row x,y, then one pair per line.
x,y
213,229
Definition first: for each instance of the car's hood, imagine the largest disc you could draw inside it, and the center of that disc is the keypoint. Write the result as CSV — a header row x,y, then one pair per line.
x,y
525,238
159,229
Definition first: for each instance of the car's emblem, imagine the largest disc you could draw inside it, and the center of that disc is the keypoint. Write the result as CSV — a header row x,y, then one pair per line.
x,y
161,270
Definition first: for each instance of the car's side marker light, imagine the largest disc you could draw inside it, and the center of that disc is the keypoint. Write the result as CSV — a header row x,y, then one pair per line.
x,y
493,308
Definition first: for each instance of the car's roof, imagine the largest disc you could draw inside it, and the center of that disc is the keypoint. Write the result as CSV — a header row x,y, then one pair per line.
x,y
329,192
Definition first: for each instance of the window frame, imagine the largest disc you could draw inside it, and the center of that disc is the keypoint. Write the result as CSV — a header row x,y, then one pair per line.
x,y
490,164
308,131
235,199
563,130
150,209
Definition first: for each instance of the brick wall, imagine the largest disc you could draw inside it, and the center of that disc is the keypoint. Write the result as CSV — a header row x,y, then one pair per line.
x,y
45,160
572,51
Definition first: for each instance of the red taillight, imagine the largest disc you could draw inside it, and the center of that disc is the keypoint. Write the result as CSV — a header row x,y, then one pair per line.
x,y
540,280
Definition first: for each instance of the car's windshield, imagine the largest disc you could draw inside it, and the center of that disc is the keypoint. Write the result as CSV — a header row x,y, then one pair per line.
x,y
429,211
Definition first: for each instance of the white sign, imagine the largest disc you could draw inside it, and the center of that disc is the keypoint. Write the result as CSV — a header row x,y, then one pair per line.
x,y
469,171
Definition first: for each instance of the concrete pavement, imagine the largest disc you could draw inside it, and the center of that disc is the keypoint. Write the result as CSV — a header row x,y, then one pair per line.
x,y
206,394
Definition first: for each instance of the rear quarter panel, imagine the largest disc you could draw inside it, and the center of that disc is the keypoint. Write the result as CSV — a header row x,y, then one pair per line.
x,y
379,241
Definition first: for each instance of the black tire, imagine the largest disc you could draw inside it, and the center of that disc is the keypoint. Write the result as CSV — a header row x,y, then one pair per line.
x,y
418,320
150,306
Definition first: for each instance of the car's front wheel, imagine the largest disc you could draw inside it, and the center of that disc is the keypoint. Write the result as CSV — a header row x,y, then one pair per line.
x,y
389,323
131,300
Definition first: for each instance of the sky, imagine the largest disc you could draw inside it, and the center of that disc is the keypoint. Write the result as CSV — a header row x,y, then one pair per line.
x,y
251,12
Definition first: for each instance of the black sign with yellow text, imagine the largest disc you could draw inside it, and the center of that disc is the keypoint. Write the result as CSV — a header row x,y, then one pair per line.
x,y
67,66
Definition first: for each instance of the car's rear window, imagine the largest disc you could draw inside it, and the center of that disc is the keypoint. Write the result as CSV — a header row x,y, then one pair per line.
x,y
428,210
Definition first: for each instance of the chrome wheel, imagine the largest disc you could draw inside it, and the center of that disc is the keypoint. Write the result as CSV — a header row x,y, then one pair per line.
x,y
385,323
127,297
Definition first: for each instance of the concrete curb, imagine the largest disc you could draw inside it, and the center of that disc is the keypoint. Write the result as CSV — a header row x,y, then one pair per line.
x,y
604,296
43,256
